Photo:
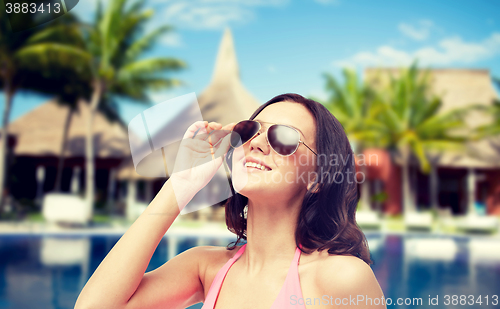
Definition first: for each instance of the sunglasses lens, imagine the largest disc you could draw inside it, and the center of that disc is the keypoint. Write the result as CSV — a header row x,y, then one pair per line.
x,y
284,140
243,131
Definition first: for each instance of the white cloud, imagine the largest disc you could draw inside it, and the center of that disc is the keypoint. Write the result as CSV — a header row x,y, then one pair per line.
x,y
195,14
452,50
172,39
418,33
212,14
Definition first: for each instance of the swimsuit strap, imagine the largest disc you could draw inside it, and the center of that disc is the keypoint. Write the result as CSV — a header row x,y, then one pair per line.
x,y
291,285
297,255
214,290
239,253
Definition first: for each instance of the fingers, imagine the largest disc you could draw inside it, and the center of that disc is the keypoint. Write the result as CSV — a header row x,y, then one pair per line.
x,y
197,129
217,126
214,126
204,130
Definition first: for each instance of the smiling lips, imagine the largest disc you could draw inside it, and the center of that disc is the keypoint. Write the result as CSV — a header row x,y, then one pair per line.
x,y
257,166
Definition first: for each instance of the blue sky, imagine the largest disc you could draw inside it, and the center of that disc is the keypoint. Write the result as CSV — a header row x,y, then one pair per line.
x,y
286,45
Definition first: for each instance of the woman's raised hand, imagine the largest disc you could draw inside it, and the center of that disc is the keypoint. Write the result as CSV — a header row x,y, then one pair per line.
x,y
201,152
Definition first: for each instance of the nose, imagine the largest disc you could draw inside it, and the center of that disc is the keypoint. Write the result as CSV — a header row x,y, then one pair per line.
x,y
259,143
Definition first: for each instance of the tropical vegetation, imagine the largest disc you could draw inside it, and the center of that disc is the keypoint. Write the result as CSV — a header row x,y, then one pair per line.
x,y
107,56
23,64
353,104
398,112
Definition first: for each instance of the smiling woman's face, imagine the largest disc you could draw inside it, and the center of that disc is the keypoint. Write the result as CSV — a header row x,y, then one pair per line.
x,y
287,176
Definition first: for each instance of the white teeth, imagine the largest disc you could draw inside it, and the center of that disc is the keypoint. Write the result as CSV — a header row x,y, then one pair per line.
x,y
256,165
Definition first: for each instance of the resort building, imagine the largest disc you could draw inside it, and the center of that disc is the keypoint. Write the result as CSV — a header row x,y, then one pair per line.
x,y
39,135
463,182
36,141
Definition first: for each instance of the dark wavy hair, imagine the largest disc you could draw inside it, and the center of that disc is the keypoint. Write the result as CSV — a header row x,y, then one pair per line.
x,y
327,217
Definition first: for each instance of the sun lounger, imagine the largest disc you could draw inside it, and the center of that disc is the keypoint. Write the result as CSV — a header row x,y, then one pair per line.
x,y
368,219
66,208
418,220
477,223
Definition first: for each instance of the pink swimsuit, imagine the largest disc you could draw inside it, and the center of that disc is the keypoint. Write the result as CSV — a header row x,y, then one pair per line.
x,y
290,295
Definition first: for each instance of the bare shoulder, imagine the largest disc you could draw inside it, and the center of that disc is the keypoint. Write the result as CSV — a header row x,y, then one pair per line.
x,y
348,268
213,254
343,276
211,259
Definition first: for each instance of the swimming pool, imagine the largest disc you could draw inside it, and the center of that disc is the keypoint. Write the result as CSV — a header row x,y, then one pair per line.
x,y
49,271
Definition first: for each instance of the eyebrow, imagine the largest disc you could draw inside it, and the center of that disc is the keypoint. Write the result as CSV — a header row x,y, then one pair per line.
x,y
282,124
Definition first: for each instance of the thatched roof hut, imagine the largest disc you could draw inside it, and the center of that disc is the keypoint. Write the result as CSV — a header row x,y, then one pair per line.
x,y
224,100
458,88
39,136
40,133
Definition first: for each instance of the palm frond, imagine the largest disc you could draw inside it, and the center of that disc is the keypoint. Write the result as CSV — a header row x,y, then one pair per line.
x,y
150,66
486,131
108,27
45,55
62,34
419,151
142,45
448,144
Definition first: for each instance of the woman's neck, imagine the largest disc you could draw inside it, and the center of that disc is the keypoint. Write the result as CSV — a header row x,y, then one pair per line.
x,y
270,234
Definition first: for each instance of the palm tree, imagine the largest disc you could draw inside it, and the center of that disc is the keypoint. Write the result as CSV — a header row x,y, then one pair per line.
x,y
415,128
353,104
116,45
62,79
113,57
23,67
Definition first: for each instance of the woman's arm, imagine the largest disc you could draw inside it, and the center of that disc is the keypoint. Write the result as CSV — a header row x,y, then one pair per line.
x,y
119,281
119,275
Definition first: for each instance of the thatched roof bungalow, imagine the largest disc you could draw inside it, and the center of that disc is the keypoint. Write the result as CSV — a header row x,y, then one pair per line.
x,y
39,136
464,179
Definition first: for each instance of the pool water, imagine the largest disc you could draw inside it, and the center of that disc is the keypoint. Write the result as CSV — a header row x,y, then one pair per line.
x,y
41,271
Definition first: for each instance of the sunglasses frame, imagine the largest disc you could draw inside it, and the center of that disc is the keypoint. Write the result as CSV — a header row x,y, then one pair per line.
x,y
267,139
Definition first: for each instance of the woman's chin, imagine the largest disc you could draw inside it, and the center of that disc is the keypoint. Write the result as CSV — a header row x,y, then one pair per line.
x,y
251,187
254,192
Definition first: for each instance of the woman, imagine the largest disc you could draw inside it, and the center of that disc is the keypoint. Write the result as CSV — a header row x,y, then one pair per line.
x,y
295,207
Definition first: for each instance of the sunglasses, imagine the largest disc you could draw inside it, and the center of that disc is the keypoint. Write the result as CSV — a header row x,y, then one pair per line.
x,y
283,139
